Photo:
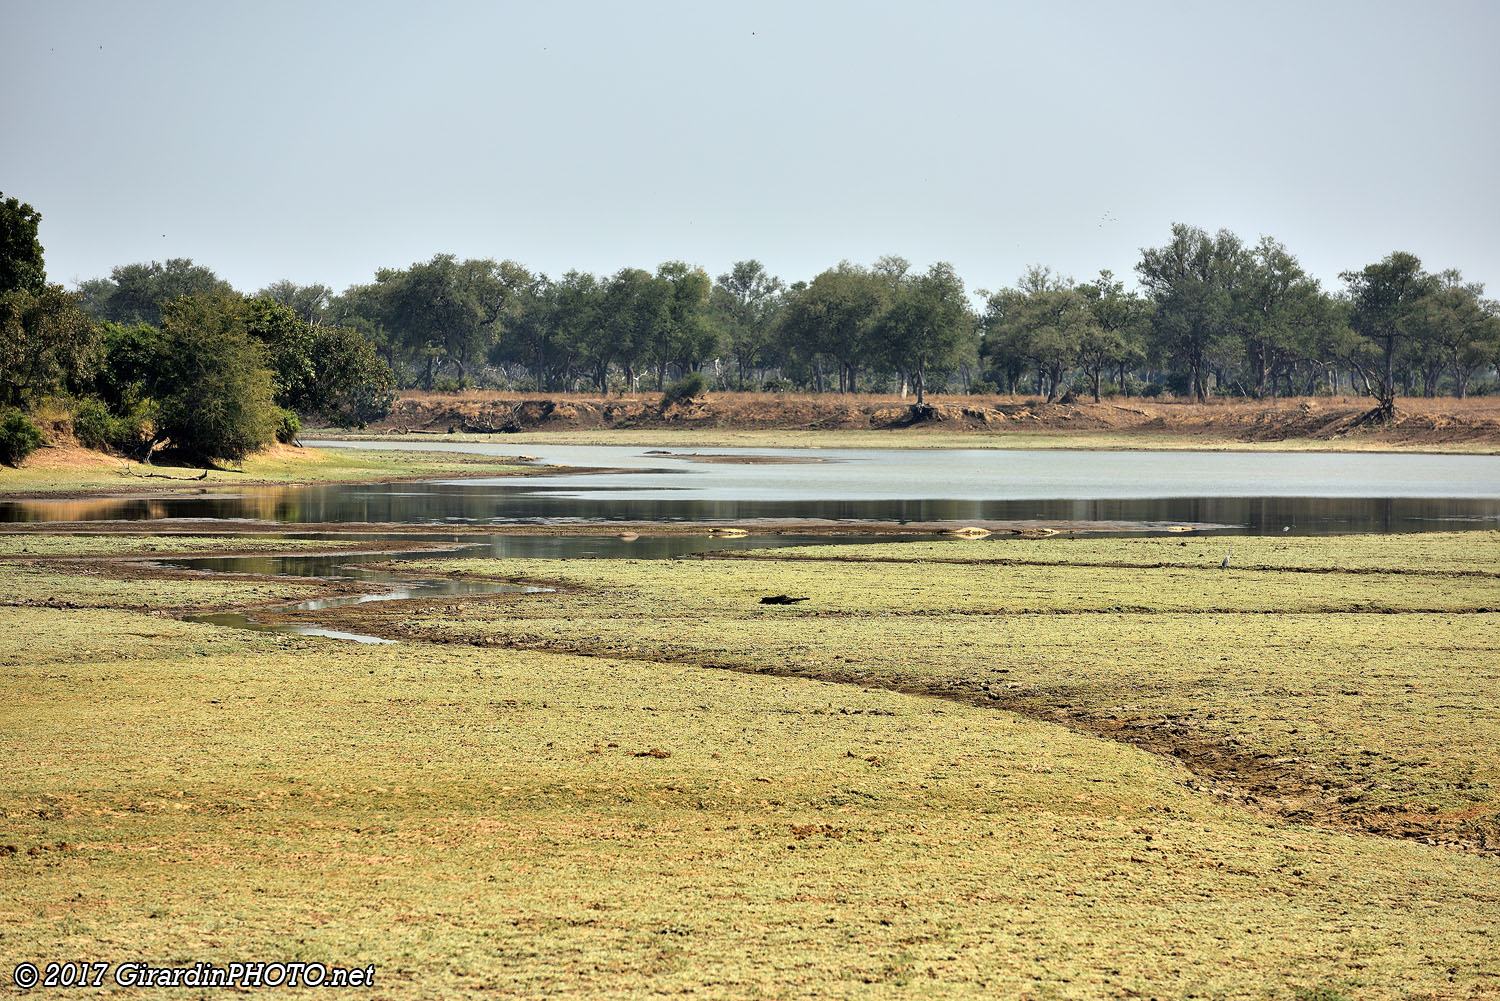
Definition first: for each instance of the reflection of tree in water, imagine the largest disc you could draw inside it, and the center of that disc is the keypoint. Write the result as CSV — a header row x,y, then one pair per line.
x,y
439,504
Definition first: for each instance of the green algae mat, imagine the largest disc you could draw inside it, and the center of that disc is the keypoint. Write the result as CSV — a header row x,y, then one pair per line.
x,y
1053,769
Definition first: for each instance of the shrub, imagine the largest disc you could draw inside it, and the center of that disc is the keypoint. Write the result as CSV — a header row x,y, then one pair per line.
x,y
288,427
18,437
983,387
94,426
214,392
688,388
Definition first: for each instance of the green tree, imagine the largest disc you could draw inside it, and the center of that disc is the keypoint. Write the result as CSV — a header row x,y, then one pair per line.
x,y
446,312
131,357
1192,280
311,302
351,386
635,307
213,387
135,293
287,342
1462,327
928,324
20,251
1387,300
577,314
834,319
744,303
1114,338
48,344
1045,320
1272,301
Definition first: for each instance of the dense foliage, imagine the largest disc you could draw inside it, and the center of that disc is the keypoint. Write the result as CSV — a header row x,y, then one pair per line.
x,y
173,353
1213,316
169,356
18,436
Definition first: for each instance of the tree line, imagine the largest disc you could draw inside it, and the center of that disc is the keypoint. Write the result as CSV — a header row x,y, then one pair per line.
x,y
168,357
1212,316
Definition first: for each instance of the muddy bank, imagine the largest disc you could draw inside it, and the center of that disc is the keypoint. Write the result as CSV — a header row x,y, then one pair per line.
x,y
1418,422
1032,529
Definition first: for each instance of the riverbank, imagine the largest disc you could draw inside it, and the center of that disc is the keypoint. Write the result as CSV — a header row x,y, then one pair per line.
x,y
71,470
761,420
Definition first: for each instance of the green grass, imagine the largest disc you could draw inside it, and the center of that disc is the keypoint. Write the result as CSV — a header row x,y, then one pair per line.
x,y
1384,685
120,544
277,466
526,822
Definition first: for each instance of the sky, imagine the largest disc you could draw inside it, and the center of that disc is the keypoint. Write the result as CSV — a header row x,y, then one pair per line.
x,y
319,142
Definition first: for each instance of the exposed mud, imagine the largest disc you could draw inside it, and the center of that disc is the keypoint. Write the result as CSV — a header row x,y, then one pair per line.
x,y
1418,422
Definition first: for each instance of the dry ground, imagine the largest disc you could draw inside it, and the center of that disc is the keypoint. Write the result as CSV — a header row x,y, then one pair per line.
x,y
1308,422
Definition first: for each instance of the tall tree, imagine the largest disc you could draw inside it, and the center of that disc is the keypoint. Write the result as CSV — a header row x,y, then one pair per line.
x,y
445,311
20,250
635,306
683,336
48,344
311,302
744,302
1191,281
1387,301
1462,327
135,293
834,318
1114,337
928,323
1271,300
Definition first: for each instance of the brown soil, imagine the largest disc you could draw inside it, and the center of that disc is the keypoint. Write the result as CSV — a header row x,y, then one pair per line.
x,y
1418,422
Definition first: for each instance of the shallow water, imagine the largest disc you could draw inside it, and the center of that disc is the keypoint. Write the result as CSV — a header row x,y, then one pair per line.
x,y
1250,492
1228,493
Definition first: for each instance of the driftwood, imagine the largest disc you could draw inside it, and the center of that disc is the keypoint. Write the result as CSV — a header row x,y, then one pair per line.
x,y
127,471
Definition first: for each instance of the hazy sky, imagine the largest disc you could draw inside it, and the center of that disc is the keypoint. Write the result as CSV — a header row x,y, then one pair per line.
x,y
319,142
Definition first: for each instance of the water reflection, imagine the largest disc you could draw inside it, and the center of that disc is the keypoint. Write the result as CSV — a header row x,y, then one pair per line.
x,y
1252,492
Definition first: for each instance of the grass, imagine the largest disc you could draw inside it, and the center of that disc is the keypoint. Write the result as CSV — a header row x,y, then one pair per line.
x,y
120,544
1372,681
475,818
79,472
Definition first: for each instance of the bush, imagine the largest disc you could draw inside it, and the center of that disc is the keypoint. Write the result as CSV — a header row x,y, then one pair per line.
x,y
94,426
776,386
214,392
18,437
288,427
983,387
688,388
